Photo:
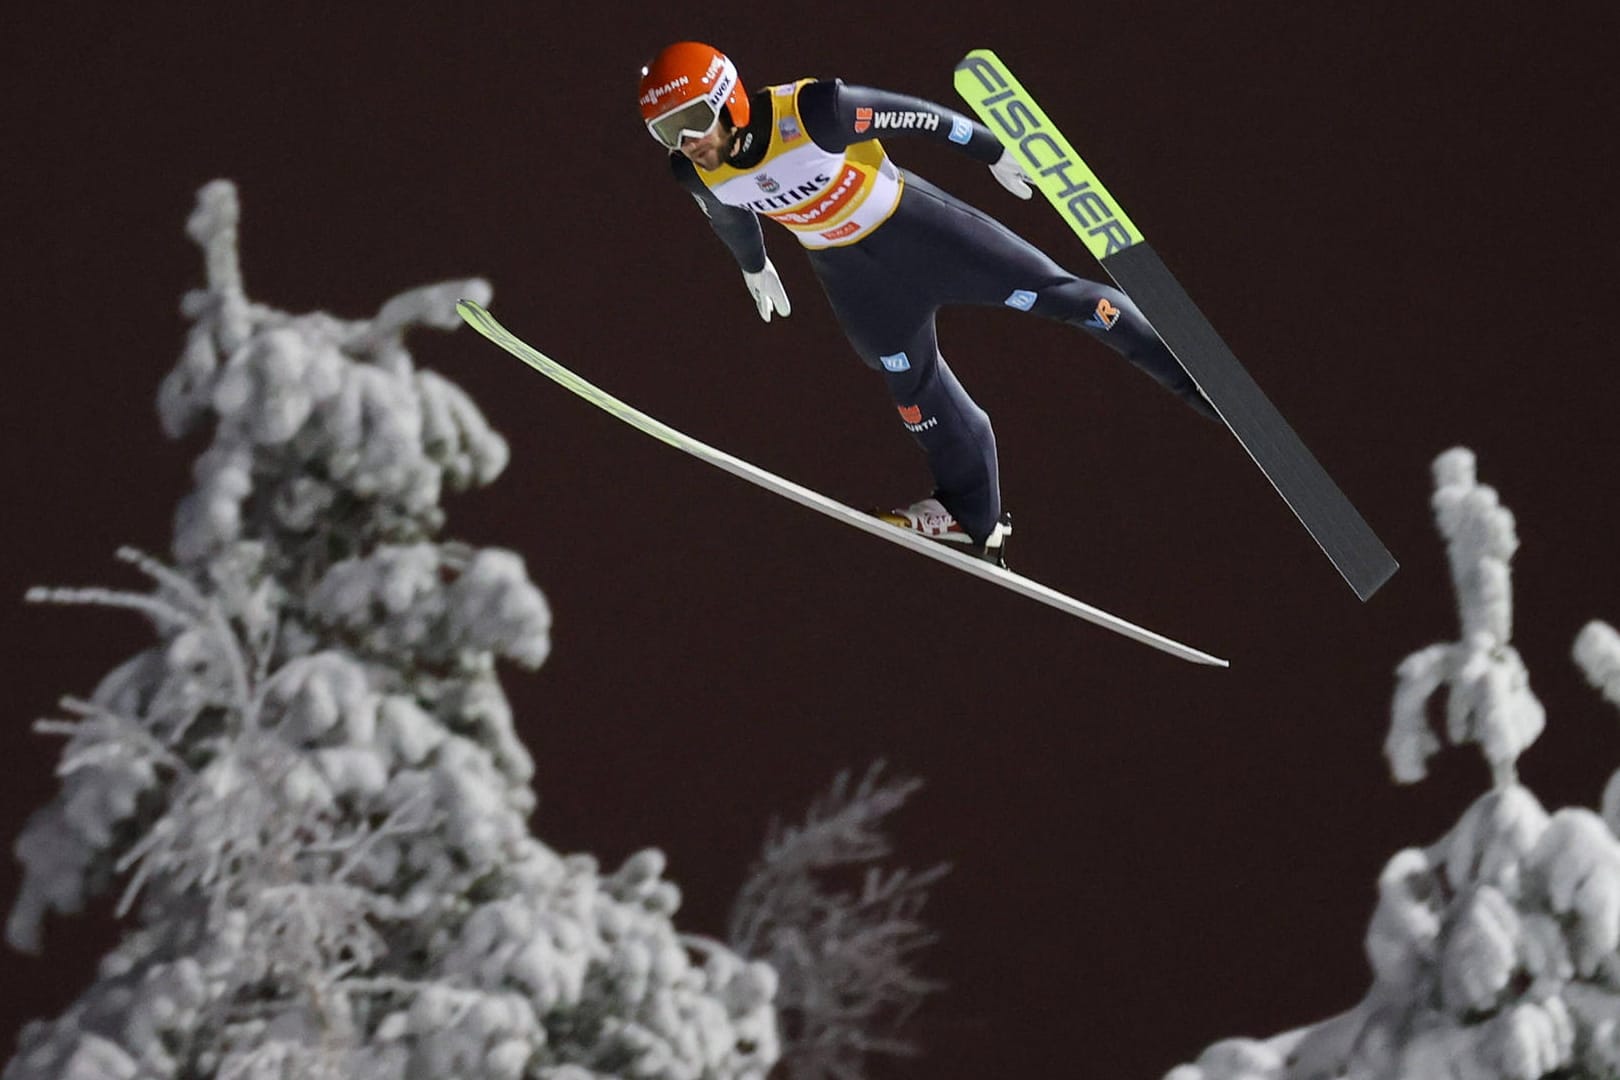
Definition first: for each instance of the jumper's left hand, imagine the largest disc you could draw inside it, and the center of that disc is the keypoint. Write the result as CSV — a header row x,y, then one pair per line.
x,y
765,286
1010,175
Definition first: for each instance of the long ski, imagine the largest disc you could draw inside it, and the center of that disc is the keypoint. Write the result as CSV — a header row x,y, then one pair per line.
x,y
1103,226
482,321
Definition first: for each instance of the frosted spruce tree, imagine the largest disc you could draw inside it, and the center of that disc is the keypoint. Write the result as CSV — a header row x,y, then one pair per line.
x,y
310,790
1495,951
843,950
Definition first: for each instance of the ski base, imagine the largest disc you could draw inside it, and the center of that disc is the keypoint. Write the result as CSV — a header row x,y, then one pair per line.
x,y
1341,532
483,322
1097,218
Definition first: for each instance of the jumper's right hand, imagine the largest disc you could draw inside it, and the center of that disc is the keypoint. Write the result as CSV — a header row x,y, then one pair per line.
x,y
765,286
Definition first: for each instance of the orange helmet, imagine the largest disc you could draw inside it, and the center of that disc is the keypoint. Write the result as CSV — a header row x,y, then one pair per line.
x,y
684,89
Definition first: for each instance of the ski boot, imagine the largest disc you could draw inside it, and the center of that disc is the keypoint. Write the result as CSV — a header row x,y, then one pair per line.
x,y
930,518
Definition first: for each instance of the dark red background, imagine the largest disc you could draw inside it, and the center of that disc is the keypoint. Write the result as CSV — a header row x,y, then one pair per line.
x,y
1402,220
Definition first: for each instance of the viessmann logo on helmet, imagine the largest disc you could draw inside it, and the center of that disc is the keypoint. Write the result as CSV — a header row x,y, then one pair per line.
x,y
651,96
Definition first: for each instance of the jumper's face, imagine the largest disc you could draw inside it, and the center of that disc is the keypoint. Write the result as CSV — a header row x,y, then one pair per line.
x,y
711,148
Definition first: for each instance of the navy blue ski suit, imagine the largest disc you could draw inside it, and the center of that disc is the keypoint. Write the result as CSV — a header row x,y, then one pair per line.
x,y
933,250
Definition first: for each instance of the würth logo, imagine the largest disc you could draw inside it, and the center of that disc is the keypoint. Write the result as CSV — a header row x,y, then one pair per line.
x,y
863,118
913,418
909,118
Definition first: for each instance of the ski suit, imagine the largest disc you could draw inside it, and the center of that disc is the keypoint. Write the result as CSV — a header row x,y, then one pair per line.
x,y
890,249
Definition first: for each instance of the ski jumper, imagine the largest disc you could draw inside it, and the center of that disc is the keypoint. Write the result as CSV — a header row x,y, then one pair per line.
x,y
890,249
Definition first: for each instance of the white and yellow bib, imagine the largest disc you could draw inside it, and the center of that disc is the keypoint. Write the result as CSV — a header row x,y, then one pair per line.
x,y
826,199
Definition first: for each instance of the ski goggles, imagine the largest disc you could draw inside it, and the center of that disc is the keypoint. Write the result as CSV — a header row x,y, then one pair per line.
x,y
695,118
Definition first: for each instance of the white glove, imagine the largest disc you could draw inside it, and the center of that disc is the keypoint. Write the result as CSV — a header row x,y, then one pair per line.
x,y
766,289
1010,175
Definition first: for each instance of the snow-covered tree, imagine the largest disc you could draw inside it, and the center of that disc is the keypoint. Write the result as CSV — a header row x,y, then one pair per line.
x,y
842,949
311,787
1495,951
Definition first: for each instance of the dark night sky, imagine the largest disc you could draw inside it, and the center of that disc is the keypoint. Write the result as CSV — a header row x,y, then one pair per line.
x,y
1398,215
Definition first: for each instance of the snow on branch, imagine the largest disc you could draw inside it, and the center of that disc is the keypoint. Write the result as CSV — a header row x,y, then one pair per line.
x,y
1488,699
324,430
118,759
845,958
1597,651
